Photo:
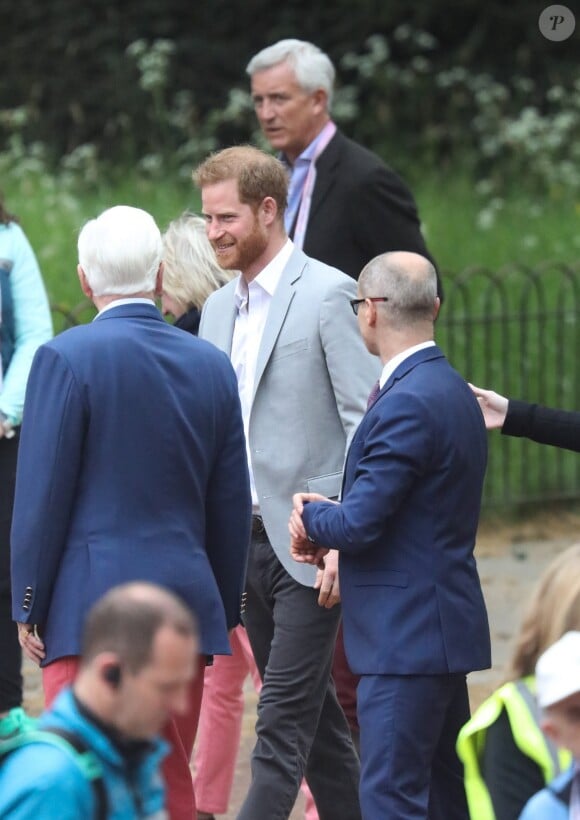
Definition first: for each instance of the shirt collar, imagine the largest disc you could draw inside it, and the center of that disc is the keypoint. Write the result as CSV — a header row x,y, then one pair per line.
x,y
126,301
393,363
268,278
308,154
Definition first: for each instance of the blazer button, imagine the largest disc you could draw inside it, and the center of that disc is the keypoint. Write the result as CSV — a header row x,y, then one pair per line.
x,y
26,607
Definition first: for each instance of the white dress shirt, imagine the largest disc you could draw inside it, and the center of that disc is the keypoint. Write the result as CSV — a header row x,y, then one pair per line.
x,y
253,303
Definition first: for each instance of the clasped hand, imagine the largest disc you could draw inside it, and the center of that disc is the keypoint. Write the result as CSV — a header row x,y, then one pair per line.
x,y
307,552
301,548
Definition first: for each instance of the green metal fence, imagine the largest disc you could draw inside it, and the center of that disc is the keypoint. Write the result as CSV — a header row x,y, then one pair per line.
x,y
517,331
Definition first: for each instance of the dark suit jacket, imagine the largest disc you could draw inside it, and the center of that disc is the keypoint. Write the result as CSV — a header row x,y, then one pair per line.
x,y
132,466
546,425
360,208
412,600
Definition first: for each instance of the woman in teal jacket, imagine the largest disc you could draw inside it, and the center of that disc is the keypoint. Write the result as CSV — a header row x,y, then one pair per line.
x,y
25,323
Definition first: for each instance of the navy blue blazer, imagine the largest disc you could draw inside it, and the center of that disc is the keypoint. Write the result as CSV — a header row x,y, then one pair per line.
x,y
406,527
132,466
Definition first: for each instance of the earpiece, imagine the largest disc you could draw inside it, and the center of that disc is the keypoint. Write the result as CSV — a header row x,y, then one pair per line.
x,y
112,674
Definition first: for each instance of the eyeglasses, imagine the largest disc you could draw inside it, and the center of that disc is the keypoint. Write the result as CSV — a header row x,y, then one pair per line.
x,y
355,303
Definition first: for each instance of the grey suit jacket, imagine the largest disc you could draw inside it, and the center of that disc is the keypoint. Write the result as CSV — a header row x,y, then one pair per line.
x,y
313,377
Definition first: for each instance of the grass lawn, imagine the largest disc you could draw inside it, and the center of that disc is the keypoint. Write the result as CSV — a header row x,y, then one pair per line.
x,y
52,214
461,229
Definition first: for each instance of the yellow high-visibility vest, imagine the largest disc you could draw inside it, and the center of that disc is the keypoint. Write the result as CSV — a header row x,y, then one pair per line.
x,y
519,700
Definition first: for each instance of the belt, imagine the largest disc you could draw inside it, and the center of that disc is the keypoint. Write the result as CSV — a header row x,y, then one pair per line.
x,y
258,527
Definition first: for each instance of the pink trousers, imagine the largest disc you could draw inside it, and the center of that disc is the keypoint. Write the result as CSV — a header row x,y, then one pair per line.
x,y
180,734
220,726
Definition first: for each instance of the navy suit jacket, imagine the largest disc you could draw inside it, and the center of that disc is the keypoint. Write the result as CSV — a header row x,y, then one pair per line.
x,y
360,208
132,466
406,527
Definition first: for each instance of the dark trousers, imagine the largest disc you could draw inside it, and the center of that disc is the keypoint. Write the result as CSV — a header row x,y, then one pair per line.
x,y
409,766
301,729
10,654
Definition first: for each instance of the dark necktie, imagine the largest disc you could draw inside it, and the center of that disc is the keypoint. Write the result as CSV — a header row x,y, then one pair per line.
x,y
373,395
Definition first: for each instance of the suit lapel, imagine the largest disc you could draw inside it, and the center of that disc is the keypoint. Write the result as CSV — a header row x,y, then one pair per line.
x,y
279,306
222,330
225,334
326,174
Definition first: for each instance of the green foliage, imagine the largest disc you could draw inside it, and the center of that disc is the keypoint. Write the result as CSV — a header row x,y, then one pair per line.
x,y
148,81
467,224
499,127
154,88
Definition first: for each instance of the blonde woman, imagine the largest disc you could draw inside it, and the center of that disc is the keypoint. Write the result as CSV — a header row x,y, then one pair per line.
x,y
191,271
506,756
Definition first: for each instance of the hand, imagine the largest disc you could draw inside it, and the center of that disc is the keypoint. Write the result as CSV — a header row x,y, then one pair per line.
x,y
6,428
31,644
327,581
299,499
301,548
493,406
295,524
307,552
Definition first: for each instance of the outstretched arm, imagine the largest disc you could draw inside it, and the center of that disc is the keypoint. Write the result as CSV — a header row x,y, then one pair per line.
x,y
545,425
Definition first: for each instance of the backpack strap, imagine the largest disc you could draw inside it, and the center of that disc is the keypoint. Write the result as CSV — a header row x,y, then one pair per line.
x,y
71,743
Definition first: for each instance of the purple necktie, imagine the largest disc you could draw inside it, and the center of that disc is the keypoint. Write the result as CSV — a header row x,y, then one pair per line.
x,y
373,395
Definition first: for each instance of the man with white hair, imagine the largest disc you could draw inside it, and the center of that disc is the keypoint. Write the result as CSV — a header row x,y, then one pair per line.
x,y
128,471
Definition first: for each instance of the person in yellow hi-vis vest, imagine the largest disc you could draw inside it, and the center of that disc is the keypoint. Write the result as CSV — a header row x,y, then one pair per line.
x,y
505,754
